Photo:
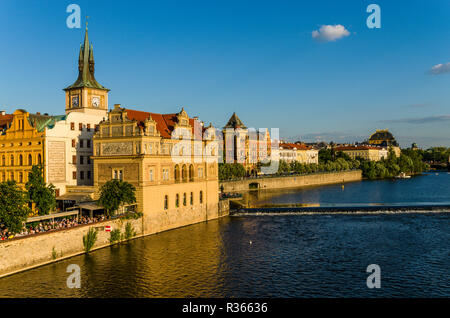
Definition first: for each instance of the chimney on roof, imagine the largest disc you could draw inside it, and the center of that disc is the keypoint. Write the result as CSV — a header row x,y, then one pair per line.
x,y
2,112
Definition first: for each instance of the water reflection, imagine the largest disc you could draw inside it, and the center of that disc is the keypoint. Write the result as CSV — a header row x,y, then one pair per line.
x,y
271,256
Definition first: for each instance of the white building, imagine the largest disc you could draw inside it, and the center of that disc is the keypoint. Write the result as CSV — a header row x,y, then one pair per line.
x,y
69,147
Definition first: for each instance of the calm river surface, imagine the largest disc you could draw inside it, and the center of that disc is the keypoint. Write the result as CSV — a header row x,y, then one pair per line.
x,y
275,256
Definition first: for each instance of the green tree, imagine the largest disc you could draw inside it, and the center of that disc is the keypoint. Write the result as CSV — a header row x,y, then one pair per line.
x,y
115,193
13,206
39,193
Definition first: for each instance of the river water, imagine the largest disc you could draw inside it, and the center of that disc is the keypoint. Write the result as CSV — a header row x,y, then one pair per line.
x,y
294,255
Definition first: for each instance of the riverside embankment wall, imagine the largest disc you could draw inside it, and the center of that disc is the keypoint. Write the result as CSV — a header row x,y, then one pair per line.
x,y
28,252
24,253
292,181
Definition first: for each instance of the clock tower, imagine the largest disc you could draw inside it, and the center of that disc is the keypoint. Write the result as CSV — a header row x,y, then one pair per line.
x,y
86,95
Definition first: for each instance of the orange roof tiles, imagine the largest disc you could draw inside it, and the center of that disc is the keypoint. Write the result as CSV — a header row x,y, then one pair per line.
x,y
288,145
165,123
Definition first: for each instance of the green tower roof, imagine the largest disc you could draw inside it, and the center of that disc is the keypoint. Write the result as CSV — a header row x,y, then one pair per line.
x,y
86,67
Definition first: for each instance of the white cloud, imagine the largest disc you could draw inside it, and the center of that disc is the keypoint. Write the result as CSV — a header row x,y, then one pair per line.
x,y
328,33
440,69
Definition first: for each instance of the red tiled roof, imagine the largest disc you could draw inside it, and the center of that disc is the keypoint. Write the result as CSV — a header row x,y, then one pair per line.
x,y
5,119
287,145
165,123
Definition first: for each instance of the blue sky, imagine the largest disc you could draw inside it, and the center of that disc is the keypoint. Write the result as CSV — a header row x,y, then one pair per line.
x,y
257,58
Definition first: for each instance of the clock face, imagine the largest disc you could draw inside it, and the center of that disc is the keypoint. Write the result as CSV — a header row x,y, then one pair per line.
x,y
95,101
75,101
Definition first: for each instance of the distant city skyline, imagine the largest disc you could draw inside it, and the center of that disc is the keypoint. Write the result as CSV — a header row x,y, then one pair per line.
x,y
314,70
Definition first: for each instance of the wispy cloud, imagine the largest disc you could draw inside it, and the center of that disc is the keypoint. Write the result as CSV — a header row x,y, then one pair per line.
x,y
419,120
440,69
328,33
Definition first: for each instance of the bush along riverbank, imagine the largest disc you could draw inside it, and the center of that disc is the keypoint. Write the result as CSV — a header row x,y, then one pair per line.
x,y
410,162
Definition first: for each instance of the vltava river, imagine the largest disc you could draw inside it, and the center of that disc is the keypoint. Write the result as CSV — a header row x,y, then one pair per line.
x,y
274,256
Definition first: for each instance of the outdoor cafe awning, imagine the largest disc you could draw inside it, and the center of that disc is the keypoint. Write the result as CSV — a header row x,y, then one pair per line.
x,y
74,197
51,216
91,206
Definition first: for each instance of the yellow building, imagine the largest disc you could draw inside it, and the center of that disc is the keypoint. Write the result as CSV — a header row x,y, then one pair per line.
x,y
22,144
366,152
176,180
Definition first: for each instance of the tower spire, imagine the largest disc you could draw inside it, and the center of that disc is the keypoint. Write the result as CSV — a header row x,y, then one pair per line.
x,y
86,68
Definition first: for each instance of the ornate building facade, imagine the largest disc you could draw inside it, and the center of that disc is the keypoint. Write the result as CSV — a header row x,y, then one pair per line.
x,y
176,179
21,144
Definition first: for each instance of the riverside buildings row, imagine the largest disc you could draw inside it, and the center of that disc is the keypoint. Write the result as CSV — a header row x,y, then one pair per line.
x,y
171,159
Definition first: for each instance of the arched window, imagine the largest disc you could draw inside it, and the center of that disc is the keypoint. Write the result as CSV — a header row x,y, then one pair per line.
x,y
191,173
184,173
184,199
12,160
20,160
201,197
177,200
20,177
39,159
30,160
177,173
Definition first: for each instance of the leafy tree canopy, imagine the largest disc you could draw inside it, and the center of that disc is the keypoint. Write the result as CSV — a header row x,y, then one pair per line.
x,y
39,193
13,206
115,193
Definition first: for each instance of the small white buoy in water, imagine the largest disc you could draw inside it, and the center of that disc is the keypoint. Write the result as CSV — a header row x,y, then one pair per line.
x,y
251,242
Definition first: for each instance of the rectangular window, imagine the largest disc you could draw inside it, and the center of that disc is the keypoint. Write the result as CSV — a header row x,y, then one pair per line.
x,y
166,202
151,175
74,143
201,197
192,198
88,127
72,126
118,174
82,175
74,175
88,160
81,143
81,160
80,126
88,143
89,175
74,160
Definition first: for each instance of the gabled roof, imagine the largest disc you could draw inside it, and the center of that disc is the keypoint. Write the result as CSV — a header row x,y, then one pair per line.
x,y
235,122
